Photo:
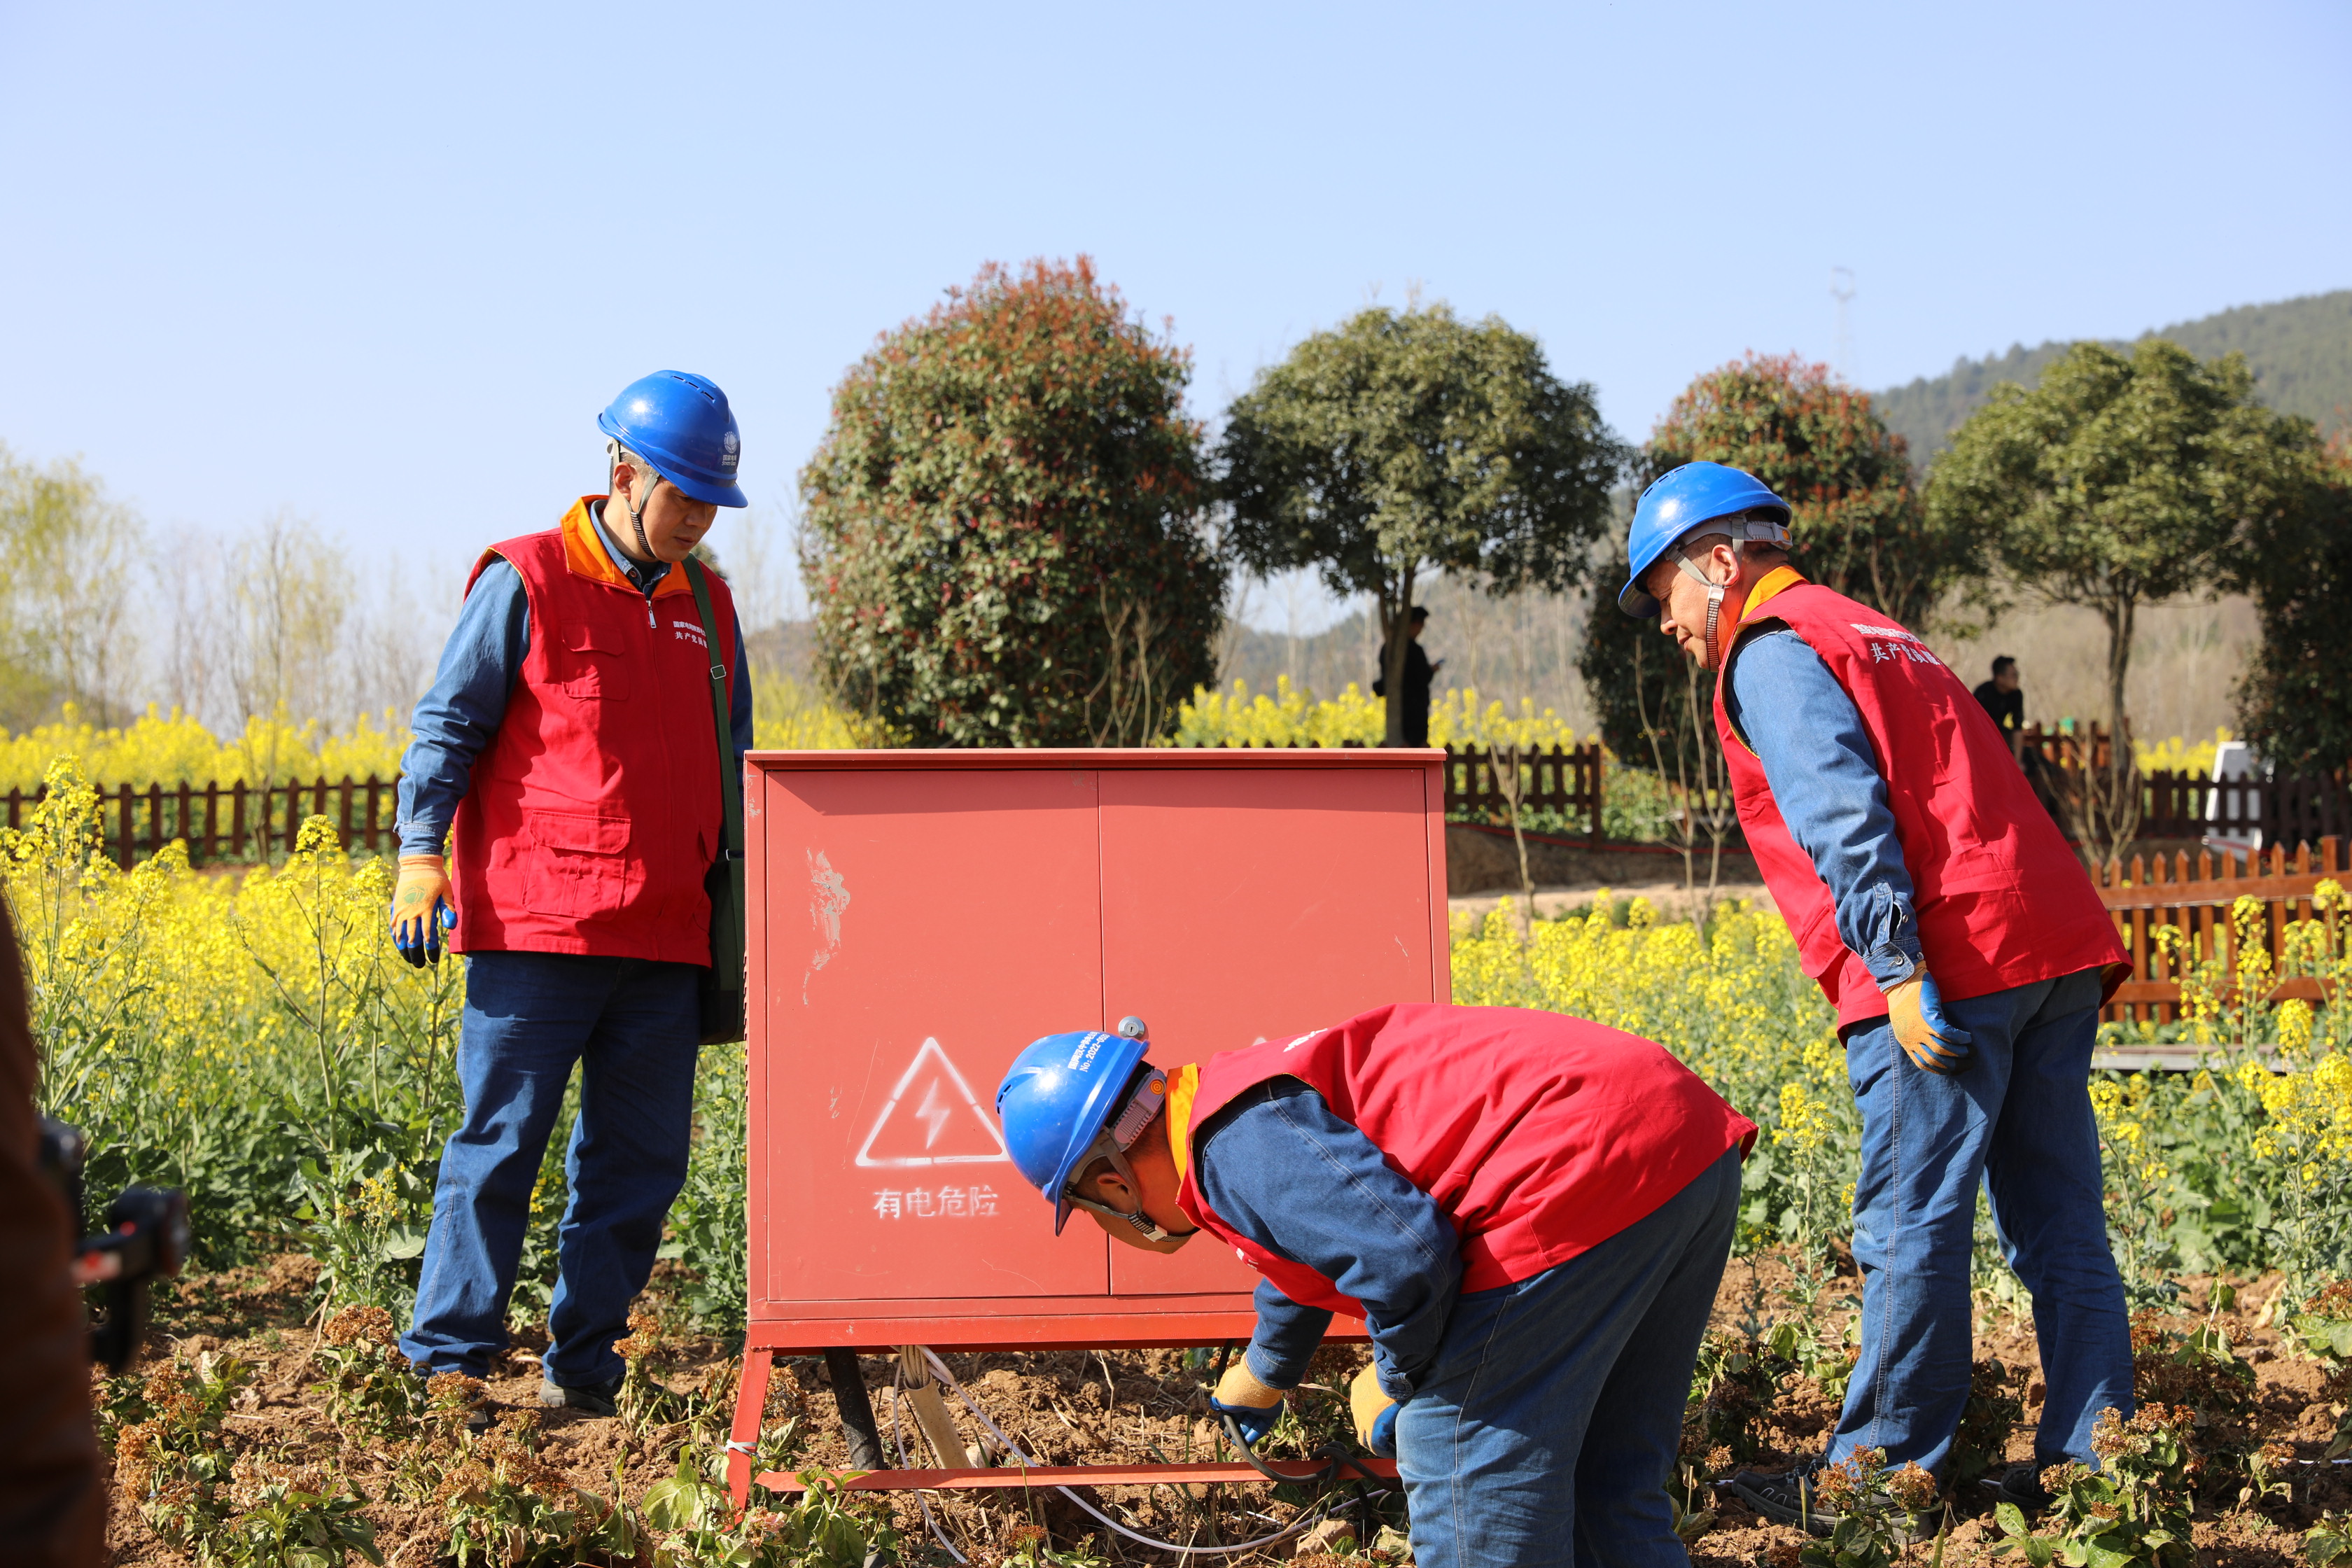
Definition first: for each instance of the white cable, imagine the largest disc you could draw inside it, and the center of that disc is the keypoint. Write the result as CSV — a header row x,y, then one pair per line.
x,y
898,1436
1305,1521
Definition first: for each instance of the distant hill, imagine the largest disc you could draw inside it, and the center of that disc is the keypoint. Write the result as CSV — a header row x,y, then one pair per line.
x,y
2301,350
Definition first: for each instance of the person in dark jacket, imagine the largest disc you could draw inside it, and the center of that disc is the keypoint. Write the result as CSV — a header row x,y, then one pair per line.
x,y
2004,703
52,1498
1418,674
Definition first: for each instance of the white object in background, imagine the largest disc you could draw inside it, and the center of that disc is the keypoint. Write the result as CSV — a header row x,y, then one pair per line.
x,y
2235,763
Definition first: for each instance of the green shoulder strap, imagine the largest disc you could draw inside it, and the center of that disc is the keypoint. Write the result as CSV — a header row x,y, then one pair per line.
x,y
727,935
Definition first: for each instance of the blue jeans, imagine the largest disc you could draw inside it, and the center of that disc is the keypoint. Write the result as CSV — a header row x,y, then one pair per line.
x,y
2019,1119
633,1025
1492,1446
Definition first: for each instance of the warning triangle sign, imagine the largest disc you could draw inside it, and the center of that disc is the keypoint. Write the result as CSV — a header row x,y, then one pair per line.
x,y
931,1118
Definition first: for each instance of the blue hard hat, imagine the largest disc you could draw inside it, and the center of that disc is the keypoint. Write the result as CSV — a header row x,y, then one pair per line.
x,y
1054,1101
1676,502
681,425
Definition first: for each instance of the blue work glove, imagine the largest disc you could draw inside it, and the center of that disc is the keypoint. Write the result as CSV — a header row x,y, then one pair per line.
x,y
423,905
1254,1406
1375,1411
1933,1042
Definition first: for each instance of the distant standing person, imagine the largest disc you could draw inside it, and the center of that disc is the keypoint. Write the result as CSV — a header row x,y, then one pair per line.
x,y
2004,703
1418,673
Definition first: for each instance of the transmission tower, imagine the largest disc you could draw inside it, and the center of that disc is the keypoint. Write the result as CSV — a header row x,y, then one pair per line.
x,y
1842,290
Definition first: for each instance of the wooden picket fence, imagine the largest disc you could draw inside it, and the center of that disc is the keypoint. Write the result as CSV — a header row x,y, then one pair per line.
x,y
231,822
2174,805
2196,898
1562,779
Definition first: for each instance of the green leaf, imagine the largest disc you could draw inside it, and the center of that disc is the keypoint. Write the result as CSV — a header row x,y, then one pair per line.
x,y
2011,1518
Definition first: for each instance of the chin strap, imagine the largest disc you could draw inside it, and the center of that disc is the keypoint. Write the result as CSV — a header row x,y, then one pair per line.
x,y
637,518
1714,592
1738,529
1145,1101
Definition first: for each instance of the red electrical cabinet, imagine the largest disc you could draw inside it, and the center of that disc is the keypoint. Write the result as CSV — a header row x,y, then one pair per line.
x,y
919,917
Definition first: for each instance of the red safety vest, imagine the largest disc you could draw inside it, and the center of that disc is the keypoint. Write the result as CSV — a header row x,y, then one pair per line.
x,y
593,813
2000,899
1538,1135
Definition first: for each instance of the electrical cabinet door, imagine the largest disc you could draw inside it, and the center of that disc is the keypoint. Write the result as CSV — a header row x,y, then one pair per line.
x,y
918,928
1249,904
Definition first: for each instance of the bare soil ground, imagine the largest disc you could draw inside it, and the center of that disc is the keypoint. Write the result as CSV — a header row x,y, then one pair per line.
x,y
1072,1407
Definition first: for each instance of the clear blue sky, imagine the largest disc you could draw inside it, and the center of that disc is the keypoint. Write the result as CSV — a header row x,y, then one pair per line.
x,y
380,266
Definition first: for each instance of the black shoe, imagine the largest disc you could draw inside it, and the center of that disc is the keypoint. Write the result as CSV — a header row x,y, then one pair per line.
x,y
481,1415
595,1398
1786,1499
2023,1485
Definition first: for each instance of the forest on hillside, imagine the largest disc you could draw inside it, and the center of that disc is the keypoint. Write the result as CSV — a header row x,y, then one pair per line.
x,y
2300,351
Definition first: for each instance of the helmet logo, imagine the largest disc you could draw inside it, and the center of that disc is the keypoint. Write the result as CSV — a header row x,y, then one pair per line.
x,y
730,445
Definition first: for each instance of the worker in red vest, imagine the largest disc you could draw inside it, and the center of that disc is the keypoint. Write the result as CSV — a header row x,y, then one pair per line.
x,y
1530,1211
568,738
1963,947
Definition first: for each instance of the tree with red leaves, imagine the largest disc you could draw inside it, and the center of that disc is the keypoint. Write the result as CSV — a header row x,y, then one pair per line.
x,y
1005,525
1859,526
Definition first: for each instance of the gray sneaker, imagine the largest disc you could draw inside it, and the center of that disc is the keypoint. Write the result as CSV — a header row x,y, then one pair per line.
x,y
595,1398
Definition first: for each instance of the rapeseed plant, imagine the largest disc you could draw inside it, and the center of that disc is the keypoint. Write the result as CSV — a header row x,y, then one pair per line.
x,y
1291,717
157,748
246,1034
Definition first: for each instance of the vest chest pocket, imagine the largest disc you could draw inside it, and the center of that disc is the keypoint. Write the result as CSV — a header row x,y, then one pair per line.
x,y
589,664
578,863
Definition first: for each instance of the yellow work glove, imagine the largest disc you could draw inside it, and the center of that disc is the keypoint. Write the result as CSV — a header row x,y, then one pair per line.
x,y
1254,1405
423,905
1934,1044
1374,1411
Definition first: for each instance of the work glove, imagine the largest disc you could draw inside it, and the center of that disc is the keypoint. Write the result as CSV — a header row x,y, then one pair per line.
x,y
1931,1040
1375,1411
1254,1406
423,905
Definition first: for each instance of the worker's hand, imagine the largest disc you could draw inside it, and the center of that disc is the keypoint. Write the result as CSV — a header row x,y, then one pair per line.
x,y
1375,1411
423,905
1934,1044
1254,1406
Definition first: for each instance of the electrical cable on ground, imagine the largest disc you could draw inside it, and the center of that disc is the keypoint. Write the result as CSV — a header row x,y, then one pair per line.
x,y
940,1370
898,1436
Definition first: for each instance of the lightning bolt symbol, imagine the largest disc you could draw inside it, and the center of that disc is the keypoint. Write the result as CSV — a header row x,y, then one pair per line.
x,y
933,1112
